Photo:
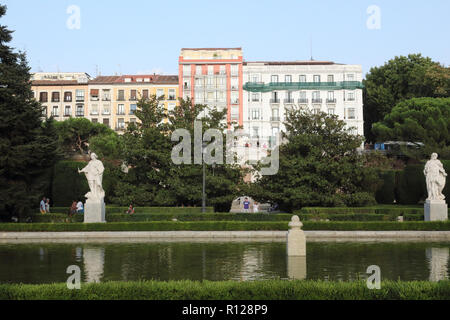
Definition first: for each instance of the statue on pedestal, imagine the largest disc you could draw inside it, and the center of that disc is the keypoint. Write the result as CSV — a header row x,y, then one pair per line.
x,y
435,178
94,174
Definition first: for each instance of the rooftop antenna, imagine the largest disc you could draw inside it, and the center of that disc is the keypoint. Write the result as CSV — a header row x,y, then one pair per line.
x,y
96,70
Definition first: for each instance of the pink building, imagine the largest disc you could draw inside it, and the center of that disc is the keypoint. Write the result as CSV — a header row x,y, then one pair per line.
x,y
213,76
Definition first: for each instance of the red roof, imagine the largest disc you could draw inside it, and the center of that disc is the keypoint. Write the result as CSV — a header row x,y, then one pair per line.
x,y
56,83
277,63
211,49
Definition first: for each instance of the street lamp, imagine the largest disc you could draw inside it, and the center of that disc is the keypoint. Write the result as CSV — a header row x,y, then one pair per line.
x,y
204,177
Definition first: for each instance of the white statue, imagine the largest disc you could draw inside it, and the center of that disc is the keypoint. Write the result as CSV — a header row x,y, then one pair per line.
x,y
94,174
435,178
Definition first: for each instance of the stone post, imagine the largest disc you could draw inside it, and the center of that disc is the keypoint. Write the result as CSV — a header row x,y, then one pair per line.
x,y
296,240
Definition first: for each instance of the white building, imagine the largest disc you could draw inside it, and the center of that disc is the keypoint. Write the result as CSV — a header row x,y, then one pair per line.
x,y
271,87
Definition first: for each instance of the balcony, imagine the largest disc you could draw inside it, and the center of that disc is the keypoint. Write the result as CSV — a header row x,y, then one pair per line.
x,y
350,99
79,114
120,113
171,98
67,99
234,88
43,100
234,101
54,114
106,113
275,100
94,113
106,99
186,87
294,86
120,98
316,100
120,127
331,100
133,99
301,100
274,118
288,101
67,115
55,100
94,98
79,99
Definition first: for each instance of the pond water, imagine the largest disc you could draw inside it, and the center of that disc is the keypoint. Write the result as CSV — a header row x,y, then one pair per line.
x,y
246,261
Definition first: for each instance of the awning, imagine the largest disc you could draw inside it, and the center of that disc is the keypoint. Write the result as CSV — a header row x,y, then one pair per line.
x,y
94,92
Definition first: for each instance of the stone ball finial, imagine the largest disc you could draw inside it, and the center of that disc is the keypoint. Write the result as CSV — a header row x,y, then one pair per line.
x,y
295,223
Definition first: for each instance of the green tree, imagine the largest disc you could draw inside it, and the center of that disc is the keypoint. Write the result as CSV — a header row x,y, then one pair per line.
x,y
28,146
74,134
319,166
425,120
400,79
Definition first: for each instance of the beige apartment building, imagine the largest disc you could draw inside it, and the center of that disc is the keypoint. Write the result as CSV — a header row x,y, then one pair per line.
x,y
111,100
63,95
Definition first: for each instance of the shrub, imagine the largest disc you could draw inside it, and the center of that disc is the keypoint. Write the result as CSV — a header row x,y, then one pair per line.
x,y
386,193
68,184
411,187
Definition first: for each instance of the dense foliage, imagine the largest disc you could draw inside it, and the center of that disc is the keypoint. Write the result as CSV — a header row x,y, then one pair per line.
x,y
319,166
400,79
28,147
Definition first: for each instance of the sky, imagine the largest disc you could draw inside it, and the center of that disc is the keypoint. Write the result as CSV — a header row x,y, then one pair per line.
x,y
110,37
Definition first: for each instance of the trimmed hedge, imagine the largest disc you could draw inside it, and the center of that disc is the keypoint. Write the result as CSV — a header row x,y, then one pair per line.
x,y
144,210
397,211
228,226
231,290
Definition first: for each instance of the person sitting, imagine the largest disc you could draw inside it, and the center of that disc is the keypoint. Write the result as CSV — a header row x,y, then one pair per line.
x,y
130,210
73,208
80,208
42,206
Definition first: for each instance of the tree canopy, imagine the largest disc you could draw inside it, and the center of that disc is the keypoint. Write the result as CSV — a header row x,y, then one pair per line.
x,y
319,165
28,146
400,79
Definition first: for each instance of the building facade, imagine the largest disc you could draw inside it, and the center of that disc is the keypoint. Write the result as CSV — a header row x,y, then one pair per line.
x,y
213,76
62,95
272,87
111,100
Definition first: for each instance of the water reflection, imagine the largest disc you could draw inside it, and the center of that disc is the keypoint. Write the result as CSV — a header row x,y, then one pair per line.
x,y
246,261
438,263
296,267
94,263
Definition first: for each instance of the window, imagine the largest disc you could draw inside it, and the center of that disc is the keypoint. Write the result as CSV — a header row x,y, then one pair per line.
x,y
106,95
121,109
222,70
275,97
351,96
94,94
186,70
80,111
171,106
133,108
127,80
55,111
331,111
67,111
106,109
234,70
234,97
330,78
302,78
172,94
303,98
288,78
330,96
55,96
44,111
316,110
94,109
132,120
43,97
255,96
120,123
255,132
79,95
106,122
234,84
351,113
133,96
274,79
160,93
210,70
350,77
198,70
254,78
121,95
316,97
256,114
94,120
316,78
145,93
186,84
68,96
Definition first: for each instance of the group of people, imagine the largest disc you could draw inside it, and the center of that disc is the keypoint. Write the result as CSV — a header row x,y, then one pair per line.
x,y
249,207
44,206
76,207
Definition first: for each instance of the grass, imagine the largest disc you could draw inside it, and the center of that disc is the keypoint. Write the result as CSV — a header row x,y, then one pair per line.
x,y
231,290
228,226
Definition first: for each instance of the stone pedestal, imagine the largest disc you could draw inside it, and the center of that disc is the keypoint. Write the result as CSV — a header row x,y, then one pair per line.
x,y
296,240
436,210
296,267
94,211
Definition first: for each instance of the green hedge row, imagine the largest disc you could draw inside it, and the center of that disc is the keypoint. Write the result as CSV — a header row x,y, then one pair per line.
x,y
145,210
395,211
227,226
231,290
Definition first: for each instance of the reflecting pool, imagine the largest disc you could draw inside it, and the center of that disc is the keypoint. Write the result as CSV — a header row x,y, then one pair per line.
x,y
242,261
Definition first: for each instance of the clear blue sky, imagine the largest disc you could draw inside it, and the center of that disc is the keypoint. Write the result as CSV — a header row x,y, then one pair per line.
x,y
142,36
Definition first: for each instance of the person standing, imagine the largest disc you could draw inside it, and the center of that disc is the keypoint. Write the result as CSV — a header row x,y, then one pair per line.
x,y
256,207
80,208
42,206
47,205
73,208
246,204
